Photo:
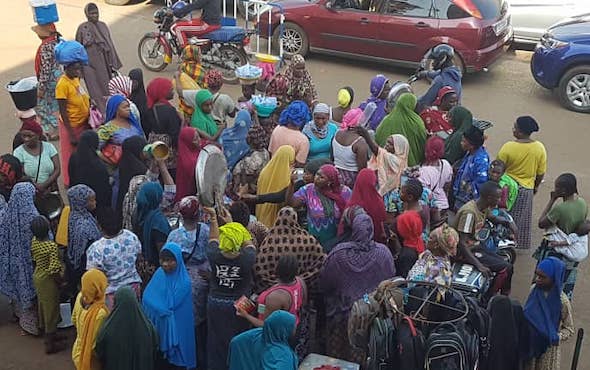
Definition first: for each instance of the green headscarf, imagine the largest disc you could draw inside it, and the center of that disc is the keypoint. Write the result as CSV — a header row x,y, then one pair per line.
x,y
127,339
461,119
200,119
404,121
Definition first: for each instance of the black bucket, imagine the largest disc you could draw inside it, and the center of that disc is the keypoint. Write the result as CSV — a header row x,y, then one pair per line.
x,y
23,100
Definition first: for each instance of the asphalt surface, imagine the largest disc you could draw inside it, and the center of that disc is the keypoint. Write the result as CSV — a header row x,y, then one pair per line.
x,y
504,93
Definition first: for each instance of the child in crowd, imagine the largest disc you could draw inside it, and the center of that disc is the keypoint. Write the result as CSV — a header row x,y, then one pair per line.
x,y
46,277
509,186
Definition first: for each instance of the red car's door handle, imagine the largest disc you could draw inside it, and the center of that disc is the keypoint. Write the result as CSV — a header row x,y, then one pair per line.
x,y
364,20
422,25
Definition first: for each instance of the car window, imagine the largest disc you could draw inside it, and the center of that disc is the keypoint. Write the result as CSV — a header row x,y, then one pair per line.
x,y
411,8
363,5
446,9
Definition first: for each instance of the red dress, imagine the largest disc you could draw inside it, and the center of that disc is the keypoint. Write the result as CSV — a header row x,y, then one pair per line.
x,y
436,121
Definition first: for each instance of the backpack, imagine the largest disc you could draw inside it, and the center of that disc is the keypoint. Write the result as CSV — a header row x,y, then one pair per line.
x,y
477,323
446,349
410,346
381,352
360,319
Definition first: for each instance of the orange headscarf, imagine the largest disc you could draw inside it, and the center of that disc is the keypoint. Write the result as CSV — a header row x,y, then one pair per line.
x,y
94,286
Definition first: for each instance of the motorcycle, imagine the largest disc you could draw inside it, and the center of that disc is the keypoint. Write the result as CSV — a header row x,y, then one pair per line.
x,y
498,238
221,48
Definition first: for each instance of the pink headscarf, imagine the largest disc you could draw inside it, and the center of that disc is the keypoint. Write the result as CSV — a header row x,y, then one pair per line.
x,y
351,118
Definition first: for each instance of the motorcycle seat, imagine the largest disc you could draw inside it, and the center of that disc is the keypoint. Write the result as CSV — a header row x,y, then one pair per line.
x,y
226,34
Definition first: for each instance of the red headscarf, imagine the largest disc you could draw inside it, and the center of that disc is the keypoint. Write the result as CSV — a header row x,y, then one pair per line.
x,y
434,149
189,207
366,196
31,124
441,94
334,191
214,79
157,91
409,228
188,153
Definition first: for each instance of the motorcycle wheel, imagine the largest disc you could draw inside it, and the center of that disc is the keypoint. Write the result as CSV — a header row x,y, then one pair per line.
x,y
509,255
152,53
231,57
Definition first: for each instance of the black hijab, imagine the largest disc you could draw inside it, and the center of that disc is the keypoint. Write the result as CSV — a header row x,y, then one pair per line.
x,y
131,165
85,167
504,335
138,95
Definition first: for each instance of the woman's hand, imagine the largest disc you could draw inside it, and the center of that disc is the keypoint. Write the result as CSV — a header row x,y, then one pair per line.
x,y
211,211
241,312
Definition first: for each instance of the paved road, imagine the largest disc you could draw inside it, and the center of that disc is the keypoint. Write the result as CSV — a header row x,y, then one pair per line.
x,y
500,95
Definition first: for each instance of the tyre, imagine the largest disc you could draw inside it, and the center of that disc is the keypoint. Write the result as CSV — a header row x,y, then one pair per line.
x,y
508,255
230,57
152,53
574,89
117,2
295,40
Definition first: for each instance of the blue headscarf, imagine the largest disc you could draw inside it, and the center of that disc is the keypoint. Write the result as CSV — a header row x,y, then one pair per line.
x,y
16,267
265,348
233,139
112,106
167,303
543,309
297,113
149,217
82,226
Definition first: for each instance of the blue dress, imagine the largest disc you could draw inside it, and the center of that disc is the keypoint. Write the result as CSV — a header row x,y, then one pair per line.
x,y
321,148
472,172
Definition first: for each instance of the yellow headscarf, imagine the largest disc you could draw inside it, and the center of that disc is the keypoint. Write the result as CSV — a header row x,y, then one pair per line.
x,y
274,177
231,237
344,98
94,286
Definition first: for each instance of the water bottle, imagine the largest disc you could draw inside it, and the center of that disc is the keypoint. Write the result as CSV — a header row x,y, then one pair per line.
x,y
367,114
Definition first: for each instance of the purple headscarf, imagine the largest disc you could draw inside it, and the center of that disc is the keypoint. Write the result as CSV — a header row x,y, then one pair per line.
x,y
377,84
355,267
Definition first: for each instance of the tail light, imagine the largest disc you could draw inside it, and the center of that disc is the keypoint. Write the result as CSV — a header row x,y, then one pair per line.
x,y
469,7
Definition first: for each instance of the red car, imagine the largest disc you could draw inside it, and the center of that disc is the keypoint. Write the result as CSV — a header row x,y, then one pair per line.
x,y
395,31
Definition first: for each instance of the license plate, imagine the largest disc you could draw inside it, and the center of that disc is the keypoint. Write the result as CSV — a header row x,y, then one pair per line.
x,y
500,26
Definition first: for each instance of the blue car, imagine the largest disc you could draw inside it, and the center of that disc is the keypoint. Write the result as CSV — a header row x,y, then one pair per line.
x,y
561,62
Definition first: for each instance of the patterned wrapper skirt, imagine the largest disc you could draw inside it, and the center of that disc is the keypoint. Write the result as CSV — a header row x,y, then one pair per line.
x,y
347,178
337,344
522,212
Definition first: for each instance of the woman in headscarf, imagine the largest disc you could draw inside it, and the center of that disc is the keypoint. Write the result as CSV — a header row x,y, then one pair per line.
x,y
192,68
82,232
233,139
278,87
287,237
349,148
325,201
47,71
88,315
526,163
16,266
123,85
120,125
103,60
163,120
193,237
202,119
409,227
11,171
508,336
138,96
301,86
291,121
473,169
127,340
274,182
345,100
86,168
436,173
434,264
267,347
320,131
189,147
152,227
131,165
404,121
379,90
353,268
461,119
549,314
231,256
366,196
168,305
436,118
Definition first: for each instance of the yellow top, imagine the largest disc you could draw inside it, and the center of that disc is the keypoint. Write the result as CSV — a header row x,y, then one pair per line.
x,y
79,316
524,161
78,101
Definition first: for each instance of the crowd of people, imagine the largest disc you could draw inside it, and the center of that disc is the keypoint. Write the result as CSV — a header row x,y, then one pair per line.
x,y
322,205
